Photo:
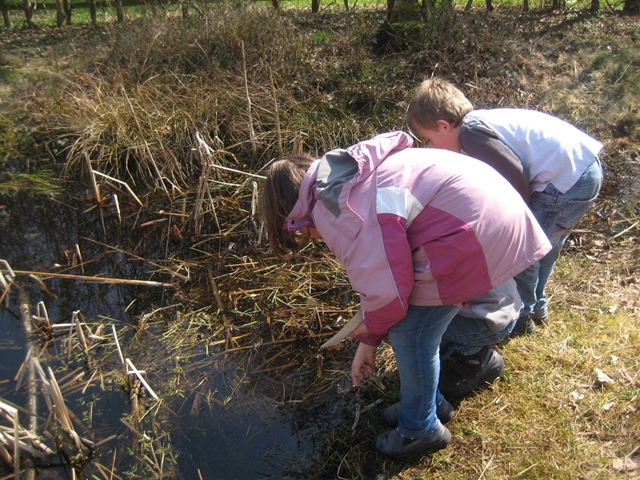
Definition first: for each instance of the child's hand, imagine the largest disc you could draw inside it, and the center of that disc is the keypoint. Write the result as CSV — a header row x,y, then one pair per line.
x,y
364,363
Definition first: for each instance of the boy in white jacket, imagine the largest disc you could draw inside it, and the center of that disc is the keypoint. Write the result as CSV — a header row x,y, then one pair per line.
x,y
552,164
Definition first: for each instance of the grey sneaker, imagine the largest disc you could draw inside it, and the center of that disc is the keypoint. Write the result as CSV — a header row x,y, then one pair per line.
x,y
462,375
393,444
524,326
389,416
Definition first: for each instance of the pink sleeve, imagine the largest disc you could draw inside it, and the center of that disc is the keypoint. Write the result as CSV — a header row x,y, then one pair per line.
x,y
399,261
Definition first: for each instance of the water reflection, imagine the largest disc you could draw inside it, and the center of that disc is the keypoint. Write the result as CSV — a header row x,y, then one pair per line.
x,y
216,420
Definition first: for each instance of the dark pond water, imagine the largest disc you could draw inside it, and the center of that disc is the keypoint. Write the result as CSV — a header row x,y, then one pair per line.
x,y
215,422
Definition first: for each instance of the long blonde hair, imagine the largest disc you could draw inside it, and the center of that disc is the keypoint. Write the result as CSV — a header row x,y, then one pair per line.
x,y
279,196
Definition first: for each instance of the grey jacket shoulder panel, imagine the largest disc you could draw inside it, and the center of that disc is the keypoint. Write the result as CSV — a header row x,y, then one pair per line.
x,y
480,142
336,169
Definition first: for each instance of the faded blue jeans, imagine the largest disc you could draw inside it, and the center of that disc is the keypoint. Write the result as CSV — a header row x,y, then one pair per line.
x,y
416,344
558,214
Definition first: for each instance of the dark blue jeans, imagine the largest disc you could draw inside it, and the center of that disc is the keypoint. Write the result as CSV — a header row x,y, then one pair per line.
x,y
558,214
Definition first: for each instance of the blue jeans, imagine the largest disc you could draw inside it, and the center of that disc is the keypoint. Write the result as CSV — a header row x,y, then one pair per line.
x,y
467,336
558,214
416,344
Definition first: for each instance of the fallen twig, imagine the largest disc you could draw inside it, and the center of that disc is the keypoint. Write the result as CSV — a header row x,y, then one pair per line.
x,y
137,257
138,373
121,183
147,283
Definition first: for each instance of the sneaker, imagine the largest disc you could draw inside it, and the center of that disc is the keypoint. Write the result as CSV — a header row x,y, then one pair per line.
x,y
524,326
541,317
394,444
464,374
389,416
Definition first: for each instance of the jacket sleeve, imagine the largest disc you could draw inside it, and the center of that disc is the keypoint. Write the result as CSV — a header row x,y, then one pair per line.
x,y
390,282
485,146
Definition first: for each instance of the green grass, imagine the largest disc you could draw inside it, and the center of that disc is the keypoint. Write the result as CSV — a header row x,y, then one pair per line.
x,y
81,16
40,183
321,36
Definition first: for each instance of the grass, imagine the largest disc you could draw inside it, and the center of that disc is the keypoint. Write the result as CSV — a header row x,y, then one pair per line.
x,y
135,98
43,17
40,183
548,416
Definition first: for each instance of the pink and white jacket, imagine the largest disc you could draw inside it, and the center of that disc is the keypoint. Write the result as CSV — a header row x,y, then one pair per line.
x,y
416,226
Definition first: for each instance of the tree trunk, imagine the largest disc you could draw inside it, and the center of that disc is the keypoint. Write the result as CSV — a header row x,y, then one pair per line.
x,y
59,13
557,4
28,13
489,6
315,6
119,11
390,5
5,14
185,9
92,11
346,5
525,5
426,9
632,7
276,4
67,10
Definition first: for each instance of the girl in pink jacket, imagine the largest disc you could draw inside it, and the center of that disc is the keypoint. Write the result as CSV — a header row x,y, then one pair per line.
x,y
420,232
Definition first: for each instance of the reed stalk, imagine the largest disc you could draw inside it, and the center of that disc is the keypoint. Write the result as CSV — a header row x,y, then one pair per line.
x,y
93,279
252,133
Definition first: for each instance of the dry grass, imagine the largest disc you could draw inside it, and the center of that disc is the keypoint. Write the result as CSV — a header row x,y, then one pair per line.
x,y
566,407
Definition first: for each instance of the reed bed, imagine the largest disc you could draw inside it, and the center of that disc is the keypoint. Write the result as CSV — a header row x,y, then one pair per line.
x,y
86,351
47,440
245,308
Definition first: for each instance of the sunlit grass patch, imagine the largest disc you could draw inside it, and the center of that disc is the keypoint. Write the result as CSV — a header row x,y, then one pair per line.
x,y
42,183
44,17
550,416
608,80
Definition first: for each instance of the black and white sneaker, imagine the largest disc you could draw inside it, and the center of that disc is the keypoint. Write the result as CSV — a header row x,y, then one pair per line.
x,y
541,317
462,375
524,326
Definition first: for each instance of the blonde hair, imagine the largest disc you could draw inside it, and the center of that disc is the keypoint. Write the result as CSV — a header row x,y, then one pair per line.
x,y
279,196
436,99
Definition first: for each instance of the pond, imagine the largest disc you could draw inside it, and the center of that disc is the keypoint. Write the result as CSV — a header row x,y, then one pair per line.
x,y
226,408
